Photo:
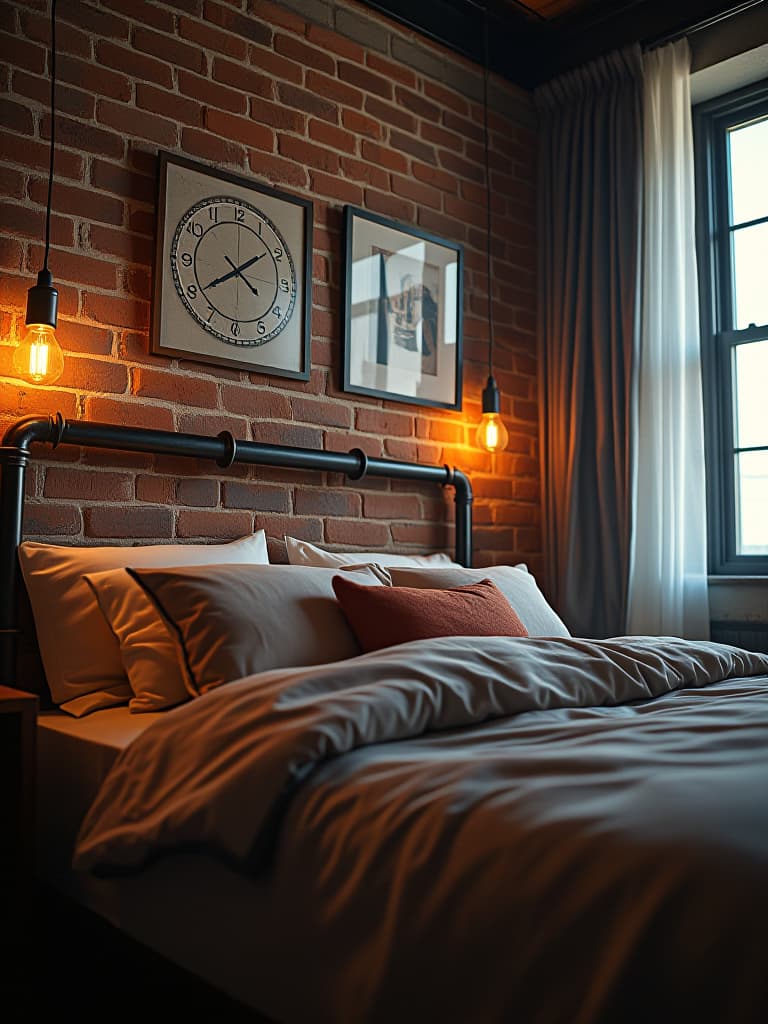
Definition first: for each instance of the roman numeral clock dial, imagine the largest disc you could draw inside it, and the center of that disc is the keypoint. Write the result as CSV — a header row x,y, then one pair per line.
x,y
233,271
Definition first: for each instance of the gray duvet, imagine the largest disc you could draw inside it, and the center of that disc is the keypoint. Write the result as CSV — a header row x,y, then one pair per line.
x,y
478,829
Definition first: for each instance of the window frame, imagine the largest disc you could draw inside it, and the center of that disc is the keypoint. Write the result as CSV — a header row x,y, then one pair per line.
x,y
711,121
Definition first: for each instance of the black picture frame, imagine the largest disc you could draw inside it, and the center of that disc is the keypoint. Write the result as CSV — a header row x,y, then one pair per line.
x,y
402,344
211,325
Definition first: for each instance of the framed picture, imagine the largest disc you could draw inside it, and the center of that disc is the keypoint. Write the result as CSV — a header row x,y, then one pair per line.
x,y
402,312
233,271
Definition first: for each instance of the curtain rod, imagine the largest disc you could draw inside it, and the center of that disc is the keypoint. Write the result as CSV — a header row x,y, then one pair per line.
x,y
699,26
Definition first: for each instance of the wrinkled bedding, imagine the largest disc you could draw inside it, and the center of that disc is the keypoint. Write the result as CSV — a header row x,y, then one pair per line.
x,y
537,830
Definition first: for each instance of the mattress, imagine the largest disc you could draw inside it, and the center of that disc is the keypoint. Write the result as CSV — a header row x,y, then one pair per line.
x,y
188,909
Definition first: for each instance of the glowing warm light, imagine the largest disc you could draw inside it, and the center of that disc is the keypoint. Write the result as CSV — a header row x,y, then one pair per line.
x,y
38,357
491,433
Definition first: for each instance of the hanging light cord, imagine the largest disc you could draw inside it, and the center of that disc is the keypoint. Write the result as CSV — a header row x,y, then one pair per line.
x,y
487,193
53,134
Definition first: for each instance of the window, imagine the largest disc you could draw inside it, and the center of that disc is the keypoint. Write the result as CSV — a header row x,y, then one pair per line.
x,y
731,136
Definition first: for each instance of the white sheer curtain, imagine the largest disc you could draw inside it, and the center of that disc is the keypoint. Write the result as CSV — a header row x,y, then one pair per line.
x,y
667,593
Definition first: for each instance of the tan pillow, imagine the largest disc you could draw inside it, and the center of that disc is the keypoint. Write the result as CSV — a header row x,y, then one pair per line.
x,y
301,552
80,653
514,581
233,621
147,650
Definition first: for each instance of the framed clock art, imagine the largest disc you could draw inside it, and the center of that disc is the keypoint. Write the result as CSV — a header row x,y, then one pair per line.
x,y
233,271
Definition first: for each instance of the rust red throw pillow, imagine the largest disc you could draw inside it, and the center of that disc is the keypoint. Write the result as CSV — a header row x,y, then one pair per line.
x,y
385,616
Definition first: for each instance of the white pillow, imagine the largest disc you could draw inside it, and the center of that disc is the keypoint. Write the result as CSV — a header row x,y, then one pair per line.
x,y
514,581
301,552
80,653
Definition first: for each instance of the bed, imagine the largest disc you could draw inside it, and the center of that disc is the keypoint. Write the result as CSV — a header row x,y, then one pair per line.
x,y
440,806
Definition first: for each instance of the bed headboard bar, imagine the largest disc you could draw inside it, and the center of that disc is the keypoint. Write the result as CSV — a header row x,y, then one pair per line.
x,y
223,449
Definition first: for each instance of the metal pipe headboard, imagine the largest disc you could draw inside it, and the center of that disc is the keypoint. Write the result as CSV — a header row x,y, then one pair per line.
x,y
223,449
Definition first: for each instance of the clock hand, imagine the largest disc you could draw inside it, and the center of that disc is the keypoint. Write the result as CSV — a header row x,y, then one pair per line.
x,y
240,274
234,272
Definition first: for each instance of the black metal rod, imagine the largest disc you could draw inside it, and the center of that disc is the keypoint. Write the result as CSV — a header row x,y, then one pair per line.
x,y
222,449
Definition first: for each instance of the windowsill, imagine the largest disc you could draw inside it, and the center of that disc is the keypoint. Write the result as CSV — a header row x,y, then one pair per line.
x,y
714,580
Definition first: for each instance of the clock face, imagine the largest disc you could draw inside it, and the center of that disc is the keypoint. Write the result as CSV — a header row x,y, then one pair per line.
x,y
233,271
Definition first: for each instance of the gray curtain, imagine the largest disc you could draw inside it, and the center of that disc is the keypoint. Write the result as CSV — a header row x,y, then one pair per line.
x,y
590,182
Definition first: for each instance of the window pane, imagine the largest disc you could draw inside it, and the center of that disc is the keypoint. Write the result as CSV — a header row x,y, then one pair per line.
x,y
750,272
752,503
750,364
749,171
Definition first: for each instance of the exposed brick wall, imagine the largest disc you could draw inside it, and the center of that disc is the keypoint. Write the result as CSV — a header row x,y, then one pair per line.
x,y
319,97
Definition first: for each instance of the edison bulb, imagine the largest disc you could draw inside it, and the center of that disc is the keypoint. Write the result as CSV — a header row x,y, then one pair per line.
x,y
491,434
38,357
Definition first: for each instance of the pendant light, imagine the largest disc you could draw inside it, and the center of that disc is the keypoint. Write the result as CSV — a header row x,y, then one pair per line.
x,y
491,433
38,357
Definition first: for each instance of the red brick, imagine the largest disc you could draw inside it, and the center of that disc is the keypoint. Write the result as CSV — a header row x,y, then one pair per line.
x,y
37,27
390,69
98,79
94,375
219,151
337,44
308,56
161,490
278,116
25,54
211,94
145,12
115,178
425,195
274,14
94,21
461,167
391,506
441,137
301,99
15,117
239,129
127,521
29,154
212,39
429,536
198,492
273,64
330,414
361,170
238,77
368,81
128,413
30,223
209,424
294,526
135,65
68,101
330,135
343,441
116,312
361,124
219,524
11,258
447,97
309,154
336,187
247,26
56,520
257,497
356,533
84,137
139,123
250,401
12,183
381,156
175,52
122,243
69,266
384,422
287,433
275,169
168,104
87,485
390,206
390,114
326,502
333,89
407,144
173,387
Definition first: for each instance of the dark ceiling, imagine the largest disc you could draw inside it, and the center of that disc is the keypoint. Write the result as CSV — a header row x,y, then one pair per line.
x,y
531,41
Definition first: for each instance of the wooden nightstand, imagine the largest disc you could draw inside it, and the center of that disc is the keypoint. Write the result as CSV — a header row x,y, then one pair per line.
x,y
18,734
